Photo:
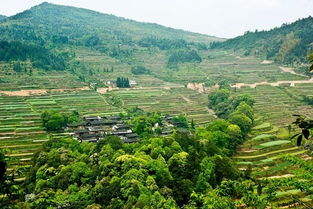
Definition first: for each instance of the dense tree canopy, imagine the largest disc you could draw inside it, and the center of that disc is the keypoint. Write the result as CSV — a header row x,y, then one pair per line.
x,y
54,121
39,56
140,70
182,56
287,44
158,172
122,82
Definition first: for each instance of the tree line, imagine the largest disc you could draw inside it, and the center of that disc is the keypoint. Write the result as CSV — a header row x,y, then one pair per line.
x,y
122,82
39,56
183,56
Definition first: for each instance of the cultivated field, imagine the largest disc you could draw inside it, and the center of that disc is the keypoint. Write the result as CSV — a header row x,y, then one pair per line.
x,y
265,155
21,132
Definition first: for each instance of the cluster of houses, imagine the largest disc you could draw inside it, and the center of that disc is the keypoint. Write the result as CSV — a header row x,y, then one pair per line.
x,y
94,128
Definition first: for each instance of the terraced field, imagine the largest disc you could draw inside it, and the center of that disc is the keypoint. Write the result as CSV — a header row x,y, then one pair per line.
x,y
169,101
278,104
265,155
222,65
21,133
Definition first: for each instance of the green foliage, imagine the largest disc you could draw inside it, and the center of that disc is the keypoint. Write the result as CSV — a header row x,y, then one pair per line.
x,y
305,125
142,123
219,96
54,121
287,44
223,104
157,172
163,44
39,56
307,99
310,58
238,110
181,121
122,82
243,121
2,169
182,56
114,100
140,70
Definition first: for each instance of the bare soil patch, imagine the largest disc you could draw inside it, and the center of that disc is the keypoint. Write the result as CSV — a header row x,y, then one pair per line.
x,y
199,87
266,62
31,92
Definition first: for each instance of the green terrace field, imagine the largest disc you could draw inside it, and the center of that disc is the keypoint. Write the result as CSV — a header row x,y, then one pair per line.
x,y
97,63
172,101
21,132
278,104
219,65
215,65
39,79
265,154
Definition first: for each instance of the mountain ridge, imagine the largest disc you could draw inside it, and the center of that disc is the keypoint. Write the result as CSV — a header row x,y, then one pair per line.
x,y
287,44
63,16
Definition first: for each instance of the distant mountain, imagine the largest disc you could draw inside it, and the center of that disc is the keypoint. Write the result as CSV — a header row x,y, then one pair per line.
x,y
287,44
2,17
69,24
47,32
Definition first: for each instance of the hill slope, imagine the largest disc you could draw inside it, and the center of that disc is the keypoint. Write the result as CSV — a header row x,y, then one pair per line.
x,y
49,21
2,17
287,44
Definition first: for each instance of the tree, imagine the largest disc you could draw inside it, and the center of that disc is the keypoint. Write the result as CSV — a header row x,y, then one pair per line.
x,y
140,70
122,82
245,109
224,84
218,96
310,58
180,121
183,56
305,125
55,121
2,170
17,67
244,122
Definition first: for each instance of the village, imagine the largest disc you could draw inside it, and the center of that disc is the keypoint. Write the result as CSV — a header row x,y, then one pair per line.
x,y
94,128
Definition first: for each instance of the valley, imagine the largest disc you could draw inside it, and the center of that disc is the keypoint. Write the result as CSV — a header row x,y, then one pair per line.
x,y
234,101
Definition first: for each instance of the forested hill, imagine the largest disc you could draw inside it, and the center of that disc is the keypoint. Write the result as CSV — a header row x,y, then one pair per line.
x,y
287,44
69,24
2,17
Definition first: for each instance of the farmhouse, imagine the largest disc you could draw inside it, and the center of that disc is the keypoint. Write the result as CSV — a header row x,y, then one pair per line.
x,y
94,128
111,83
132,83
89,119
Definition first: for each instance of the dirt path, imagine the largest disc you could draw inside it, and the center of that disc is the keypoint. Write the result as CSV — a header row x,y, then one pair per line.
x,y
105,90
278,177
211,112
254,85
186,99
31,92
277,83
290,70
267,62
